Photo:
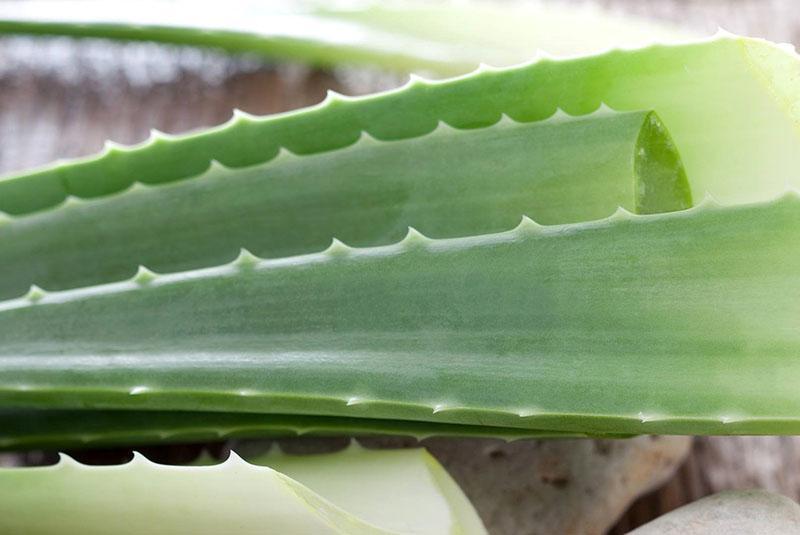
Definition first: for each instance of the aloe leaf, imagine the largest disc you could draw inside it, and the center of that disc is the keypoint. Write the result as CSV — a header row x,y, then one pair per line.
x,y
447,39
27,429
249,498
378,474
669,323
730,104
448,183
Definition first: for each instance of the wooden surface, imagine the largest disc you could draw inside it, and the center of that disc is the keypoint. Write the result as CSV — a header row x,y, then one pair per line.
x,y
58,99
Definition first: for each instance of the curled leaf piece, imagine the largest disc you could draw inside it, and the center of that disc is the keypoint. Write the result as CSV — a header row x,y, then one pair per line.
x,y
241,496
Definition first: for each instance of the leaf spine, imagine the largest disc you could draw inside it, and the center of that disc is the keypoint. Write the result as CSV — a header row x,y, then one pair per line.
x,y
235,459
246,260
708,202
333,98
111,147
144,276
441,407
337,249
560,115
72,201
157,135
528,226
241,115
621,214
34,294
417,80
66,461
414,239
137,458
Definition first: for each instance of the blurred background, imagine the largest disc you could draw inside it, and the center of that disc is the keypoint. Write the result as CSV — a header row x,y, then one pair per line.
x,y
62,98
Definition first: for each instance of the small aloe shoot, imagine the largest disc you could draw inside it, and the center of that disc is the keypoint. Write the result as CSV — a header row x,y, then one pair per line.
x,y
446,39
730,103
667,323
356,491
448,183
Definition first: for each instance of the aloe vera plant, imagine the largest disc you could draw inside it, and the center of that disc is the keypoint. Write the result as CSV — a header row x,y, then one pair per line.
x,y
335,493
729,103
446,39
574,328
448,183
507,330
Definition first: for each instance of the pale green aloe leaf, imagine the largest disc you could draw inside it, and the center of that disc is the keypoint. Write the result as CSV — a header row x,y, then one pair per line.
x,y
237,496
27,429
671,323
448,183
731,105
379,474
445,38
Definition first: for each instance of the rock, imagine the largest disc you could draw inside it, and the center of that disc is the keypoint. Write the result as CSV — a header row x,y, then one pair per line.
x,y
557,486
730,513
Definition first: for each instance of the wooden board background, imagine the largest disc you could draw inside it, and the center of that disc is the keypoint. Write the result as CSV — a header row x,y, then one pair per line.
x,y
58,100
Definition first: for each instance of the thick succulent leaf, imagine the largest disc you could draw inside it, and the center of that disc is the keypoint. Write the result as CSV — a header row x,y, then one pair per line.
x,y
672,323
59,429
448,183
377,475
447,38
239,496
730,103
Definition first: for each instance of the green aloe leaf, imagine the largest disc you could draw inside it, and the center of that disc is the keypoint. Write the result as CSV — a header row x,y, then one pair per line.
x,y
448,183
447,39
730,103
670,323
27,429
355,491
